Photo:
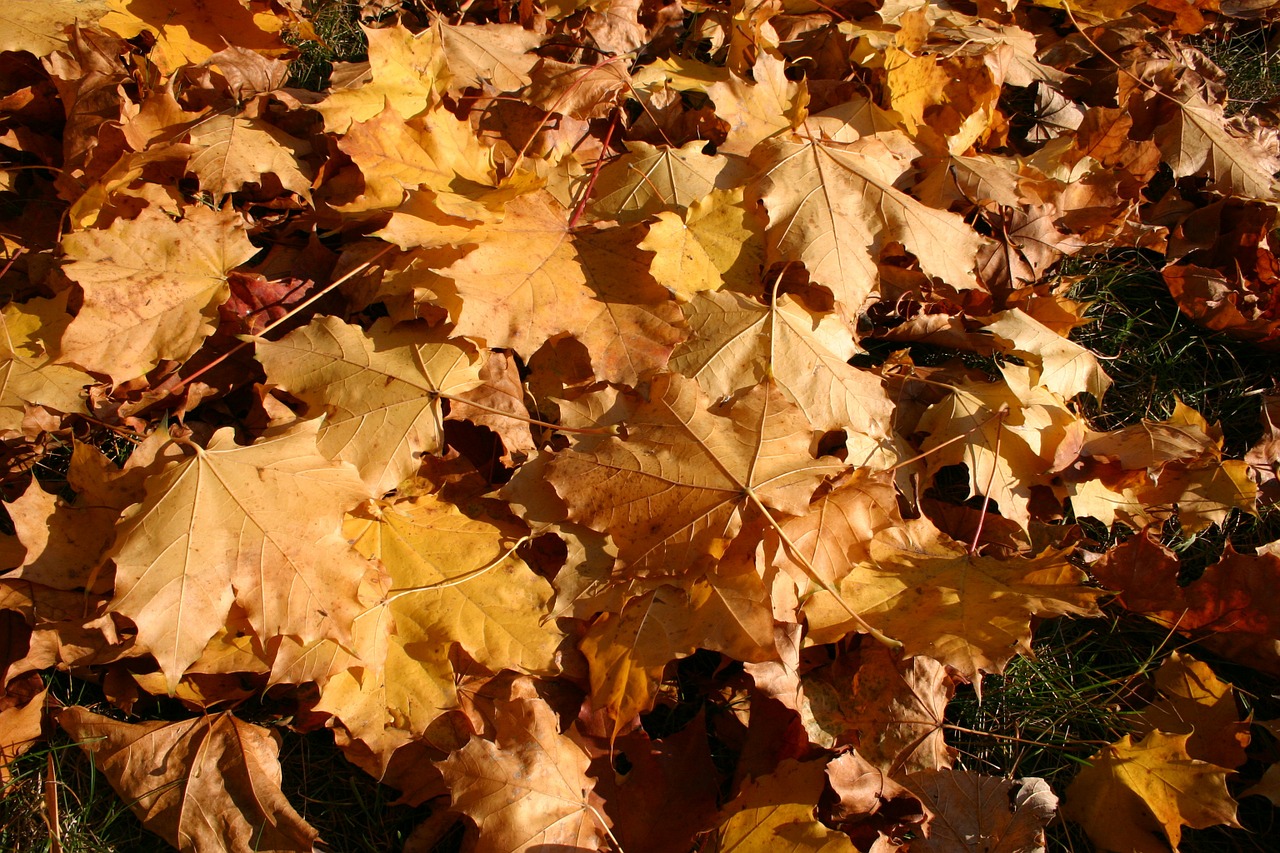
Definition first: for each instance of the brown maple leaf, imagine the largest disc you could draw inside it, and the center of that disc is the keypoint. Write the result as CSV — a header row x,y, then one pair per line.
x,y
151,287
686,481
256,525
526,788
210,783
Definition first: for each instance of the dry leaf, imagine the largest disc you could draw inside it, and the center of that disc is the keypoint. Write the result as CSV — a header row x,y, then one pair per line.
x,y
182,265
382,396
1138,796
527,788
210,783
256,525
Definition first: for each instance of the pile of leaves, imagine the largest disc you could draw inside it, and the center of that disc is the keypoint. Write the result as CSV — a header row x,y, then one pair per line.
x,y
466,398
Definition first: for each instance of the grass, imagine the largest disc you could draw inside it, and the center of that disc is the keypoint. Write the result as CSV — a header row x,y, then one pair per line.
x,y
1249,54
1046,715
92,818
1157,355
337,24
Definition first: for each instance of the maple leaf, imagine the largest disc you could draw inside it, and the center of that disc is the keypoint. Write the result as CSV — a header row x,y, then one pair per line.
x,y
736,342
22,706
968,611
890,708
832,206
1138,796
754,108
1198,703
404,69
27,374
685,481
970,809
209,783
527,788
1029,240
530,280
841,524
581,91
255,525
1197,142
63,544
1066,368
710,245
502,396
912,84
236,150
1004,433
37,27
457,580
1230,596
639,281
191,33
496,54
151,288
649,179
433,151
1175,463
778,809
381,392
627,652
64,540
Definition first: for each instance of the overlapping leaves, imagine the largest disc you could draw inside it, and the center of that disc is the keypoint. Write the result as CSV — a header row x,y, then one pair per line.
x,y
580,388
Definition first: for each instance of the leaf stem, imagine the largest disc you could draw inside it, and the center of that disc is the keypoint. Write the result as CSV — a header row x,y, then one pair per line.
x,y
534,421
986,495
292,312
456,580
595,172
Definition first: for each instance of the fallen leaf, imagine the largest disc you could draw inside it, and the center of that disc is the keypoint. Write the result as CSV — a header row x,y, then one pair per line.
x,y
649,179
970,811
977,609
240,150
684,482
528,282
188,34
527,788
382,394
712,244
1138,796
180,268
404,71
736,342
252,524
833,206
27,374
776,812
22,710
37,26
209,783
1197,703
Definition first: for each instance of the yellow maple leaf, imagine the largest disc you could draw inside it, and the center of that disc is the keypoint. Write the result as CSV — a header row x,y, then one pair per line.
x,y
1138,796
